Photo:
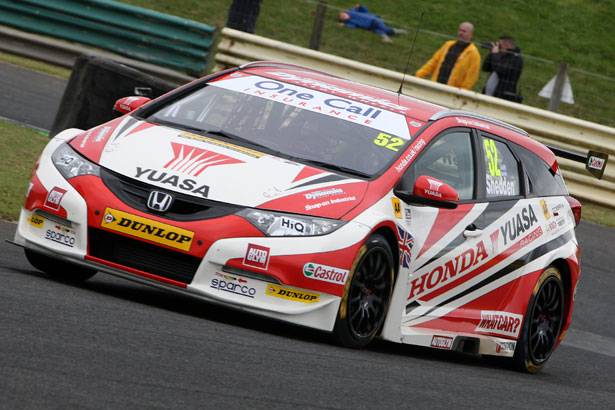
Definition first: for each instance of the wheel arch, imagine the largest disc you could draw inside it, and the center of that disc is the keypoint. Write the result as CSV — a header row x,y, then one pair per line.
x,y
391,238
564,270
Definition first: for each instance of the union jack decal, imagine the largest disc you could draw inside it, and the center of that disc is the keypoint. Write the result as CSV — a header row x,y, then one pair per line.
x,y
406,242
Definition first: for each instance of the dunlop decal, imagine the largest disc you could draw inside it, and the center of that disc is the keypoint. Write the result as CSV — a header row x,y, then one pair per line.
x,y
144,228
291,294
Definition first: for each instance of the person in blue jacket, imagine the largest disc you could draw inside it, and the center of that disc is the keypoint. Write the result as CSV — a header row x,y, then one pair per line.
x,y
359,16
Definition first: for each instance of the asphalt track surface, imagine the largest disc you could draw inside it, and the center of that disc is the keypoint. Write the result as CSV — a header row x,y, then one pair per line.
x,y
29,97
114,344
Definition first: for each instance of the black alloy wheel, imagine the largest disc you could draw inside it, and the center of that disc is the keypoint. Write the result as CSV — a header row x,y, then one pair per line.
x,y
366,297
542,323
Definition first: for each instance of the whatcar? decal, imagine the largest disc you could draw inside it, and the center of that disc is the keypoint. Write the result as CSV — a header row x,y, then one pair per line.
x,y
502,323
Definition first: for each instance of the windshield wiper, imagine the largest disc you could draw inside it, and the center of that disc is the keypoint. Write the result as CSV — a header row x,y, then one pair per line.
x,y
234,137
334,167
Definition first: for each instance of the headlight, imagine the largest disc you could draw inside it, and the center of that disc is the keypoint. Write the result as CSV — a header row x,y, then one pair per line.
x,y
279,224
71,164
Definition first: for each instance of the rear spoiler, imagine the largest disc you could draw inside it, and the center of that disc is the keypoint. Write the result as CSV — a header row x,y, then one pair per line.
x,y
595,161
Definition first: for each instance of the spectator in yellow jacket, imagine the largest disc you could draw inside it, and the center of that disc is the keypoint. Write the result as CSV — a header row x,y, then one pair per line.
x,y
456,63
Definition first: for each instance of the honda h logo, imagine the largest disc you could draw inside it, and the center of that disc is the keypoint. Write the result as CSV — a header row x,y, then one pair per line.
x,y
159,201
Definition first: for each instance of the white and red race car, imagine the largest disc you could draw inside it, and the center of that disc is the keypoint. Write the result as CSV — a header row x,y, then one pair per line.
x,y
315,200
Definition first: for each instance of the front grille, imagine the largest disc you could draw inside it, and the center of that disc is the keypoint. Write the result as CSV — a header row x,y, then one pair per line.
x,y
185,207
143,256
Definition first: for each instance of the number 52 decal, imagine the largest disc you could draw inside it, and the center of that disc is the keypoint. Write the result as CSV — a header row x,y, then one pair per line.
x,y
492,157
385,140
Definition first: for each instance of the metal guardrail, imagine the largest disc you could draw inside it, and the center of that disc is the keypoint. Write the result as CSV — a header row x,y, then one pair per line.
x,y
138,33
236,48
63,54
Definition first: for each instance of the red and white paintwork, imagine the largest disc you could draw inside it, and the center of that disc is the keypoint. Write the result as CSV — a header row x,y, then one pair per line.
x,y
436,296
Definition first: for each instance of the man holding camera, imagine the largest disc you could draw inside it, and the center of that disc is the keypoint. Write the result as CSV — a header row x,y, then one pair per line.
x,y
505,64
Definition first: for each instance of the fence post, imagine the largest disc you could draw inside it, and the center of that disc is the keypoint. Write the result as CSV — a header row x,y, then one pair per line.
x,y
558,88
319,23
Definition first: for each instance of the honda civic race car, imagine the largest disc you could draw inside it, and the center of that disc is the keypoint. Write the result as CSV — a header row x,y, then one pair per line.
x,y
315,200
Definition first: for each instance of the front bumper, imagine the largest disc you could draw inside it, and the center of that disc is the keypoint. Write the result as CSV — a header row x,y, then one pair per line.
x,y
215,267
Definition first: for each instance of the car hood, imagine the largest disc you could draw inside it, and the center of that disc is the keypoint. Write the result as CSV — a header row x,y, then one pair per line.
x,y
204,167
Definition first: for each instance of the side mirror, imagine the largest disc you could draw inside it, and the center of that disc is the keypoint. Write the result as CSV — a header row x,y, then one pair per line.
x,y
431,192
127,105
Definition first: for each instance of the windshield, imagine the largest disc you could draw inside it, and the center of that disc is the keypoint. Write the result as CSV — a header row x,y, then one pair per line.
x,y
288,127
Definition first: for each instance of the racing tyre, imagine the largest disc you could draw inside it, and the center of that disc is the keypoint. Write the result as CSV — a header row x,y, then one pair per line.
x,y
63,271
366,296
542,323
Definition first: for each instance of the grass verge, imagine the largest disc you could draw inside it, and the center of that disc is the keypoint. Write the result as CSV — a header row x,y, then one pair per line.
x,y
21,148
35,65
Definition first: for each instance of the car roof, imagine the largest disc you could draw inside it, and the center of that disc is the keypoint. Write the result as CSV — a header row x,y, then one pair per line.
x,y
411,107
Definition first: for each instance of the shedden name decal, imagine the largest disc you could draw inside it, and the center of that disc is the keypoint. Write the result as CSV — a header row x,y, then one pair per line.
x,y
291,294
144,228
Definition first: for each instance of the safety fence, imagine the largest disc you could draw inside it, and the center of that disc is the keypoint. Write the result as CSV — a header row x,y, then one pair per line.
x,y
138,33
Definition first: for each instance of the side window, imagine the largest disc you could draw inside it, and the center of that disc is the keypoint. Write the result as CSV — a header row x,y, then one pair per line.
x,y
543,181
501,169
450,160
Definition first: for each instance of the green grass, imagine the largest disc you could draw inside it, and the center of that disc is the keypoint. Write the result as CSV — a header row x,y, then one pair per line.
x,y
570,31
35,65
20,149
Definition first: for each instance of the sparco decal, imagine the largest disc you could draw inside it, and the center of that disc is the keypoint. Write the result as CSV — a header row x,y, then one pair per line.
x,y
442,342
60,237
325,273
256,256
186,184
232,287
502,323
518,224
192,160
457,266
54,197
291,294
144,228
